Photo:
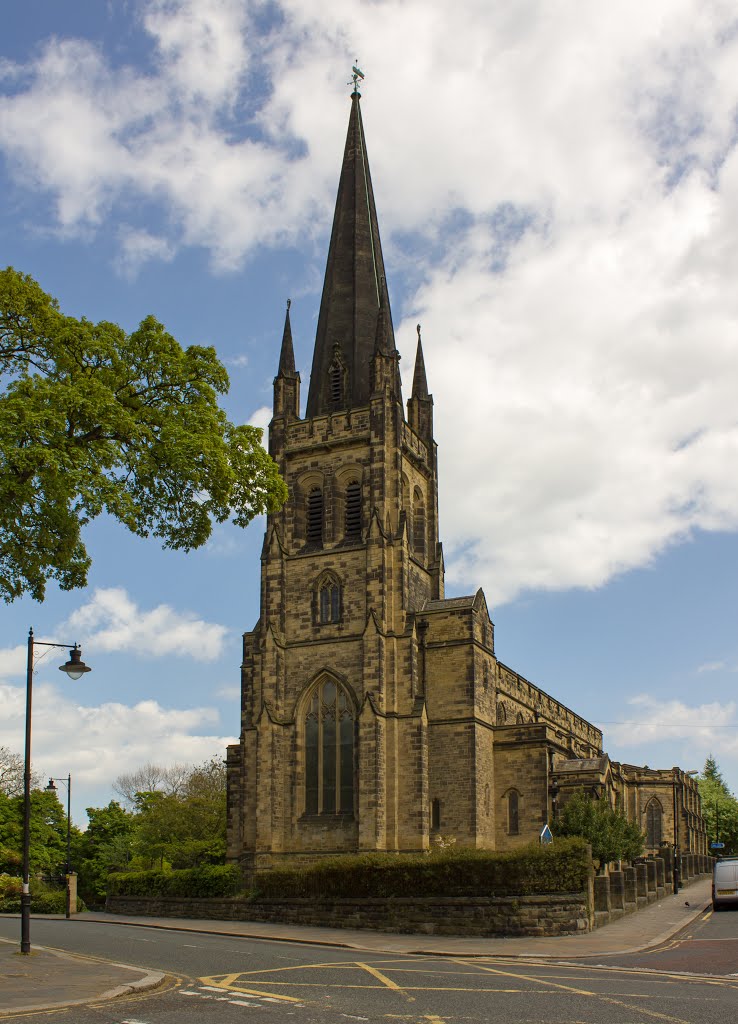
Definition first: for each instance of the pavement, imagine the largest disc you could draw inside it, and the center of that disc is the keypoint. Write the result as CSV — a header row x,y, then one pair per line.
x,y
50,979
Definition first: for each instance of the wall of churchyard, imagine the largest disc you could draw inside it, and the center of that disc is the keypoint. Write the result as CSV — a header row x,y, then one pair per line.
x,y
607,898
490,915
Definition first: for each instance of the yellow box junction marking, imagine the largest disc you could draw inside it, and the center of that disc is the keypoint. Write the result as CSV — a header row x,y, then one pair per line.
x,y
227,982
586,992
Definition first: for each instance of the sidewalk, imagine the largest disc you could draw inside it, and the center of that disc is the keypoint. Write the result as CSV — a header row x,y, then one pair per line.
x,y
48,978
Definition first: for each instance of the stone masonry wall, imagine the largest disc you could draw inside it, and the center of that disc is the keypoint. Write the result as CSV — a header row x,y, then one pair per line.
x,y
493,915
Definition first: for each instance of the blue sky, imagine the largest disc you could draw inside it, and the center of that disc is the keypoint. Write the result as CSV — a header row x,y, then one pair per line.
x,y
558,201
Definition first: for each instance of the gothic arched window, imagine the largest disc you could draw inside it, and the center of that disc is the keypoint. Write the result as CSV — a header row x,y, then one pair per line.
x,y
653,824
513,824
329,751
353,509
315,516
329,600
501,714
418,524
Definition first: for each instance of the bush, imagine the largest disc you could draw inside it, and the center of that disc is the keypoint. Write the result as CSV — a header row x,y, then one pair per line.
x,y
204,881
533,870
44,900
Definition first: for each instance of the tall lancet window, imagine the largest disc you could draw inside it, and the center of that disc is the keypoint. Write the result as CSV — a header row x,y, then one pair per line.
x,y
418,524
329,751
653,824
329,599
353,509
315,516
513,816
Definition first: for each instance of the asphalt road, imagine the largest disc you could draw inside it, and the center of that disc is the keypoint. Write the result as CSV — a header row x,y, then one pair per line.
x,y
224,980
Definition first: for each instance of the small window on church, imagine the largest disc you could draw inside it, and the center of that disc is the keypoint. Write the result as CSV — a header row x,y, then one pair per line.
x,y
513,825
418,524
501,714
435,813
329,751
653,824
353,509
329,602
315,516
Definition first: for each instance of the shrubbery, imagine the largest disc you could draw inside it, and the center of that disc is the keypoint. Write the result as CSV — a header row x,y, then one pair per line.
x,y
204,881
558,868
44,900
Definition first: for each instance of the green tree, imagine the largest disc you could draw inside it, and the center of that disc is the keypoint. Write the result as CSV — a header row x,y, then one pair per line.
x,y
94,420
185,828
48,847
719,808
610,834
105,846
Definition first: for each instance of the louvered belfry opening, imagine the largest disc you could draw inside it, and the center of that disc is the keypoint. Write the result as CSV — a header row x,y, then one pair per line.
x,y
315,516
335,377
353,509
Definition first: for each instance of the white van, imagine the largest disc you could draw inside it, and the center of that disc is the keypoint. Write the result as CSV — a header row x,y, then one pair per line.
x,y
725,883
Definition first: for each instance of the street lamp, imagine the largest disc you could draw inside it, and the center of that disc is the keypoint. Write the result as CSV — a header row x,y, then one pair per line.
x,y
75,668
51,788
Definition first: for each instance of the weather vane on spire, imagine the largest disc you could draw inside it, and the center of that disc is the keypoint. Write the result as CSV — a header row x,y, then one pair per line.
x,y
357,74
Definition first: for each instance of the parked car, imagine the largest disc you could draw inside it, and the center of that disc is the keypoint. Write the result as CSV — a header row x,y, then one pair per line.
x,y
725,883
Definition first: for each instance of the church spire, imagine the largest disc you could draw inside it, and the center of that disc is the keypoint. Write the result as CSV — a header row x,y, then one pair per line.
x,y
287,352
286,403
420,383
420,403
354,288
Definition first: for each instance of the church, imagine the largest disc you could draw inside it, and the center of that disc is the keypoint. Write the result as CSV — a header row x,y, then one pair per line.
x,y
375,714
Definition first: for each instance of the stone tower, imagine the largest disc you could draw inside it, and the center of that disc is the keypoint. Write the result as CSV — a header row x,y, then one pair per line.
x,y
334,747
375,714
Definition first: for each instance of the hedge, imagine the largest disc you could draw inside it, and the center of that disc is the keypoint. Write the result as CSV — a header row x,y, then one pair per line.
x,y
205,881
561,867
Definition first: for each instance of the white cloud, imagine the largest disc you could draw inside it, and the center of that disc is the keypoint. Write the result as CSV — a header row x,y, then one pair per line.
x,y
239,362
13,661
138,247
261,417
111,621
711,666
705,728
108,739
562,185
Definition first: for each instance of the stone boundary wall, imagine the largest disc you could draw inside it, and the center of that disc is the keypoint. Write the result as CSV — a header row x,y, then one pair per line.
x,y
648,880
451,915
608,898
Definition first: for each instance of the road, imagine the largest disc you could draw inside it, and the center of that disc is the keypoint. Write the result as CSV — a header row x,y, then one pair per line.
x,y
227,980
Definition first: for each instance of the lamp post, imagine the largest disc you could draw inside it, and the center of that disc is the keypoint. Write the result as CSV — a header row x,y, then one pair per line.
x,y
678,776
51,788
75,668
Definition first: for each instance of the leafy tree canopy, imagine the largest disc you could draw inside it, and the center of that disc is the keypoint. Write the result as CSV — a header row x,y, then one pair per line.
x,y
94,420
719,808
48,833
610,834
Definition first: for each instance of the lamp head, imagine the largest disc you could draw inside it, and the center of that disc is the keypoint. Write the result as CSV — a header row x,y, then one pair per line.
x,y
75,667
51,788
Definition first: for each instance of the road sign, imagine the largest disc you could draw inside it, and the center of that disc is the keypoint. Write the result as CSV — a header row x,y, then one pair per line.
x,y
546,836
717,846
